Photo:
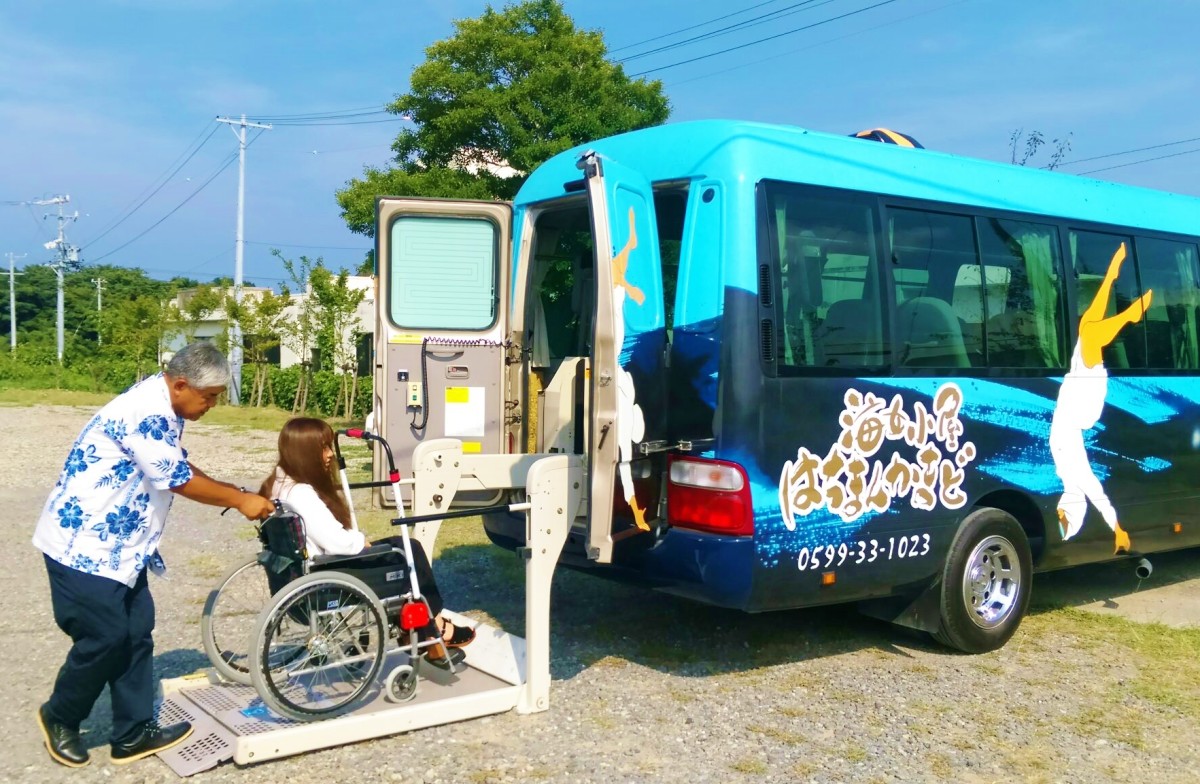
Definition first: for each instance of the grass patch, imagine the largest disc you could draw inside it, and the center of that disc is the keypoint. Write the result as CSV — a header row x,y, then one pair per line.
x,y
1167,659
207,565
750,765
612,663
605,723
233,417
854,753
804,769
10,396
939,765
778,735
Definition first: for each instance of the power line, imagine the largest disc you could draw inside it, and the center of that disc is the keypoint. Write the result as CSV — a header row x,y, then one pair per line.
x,y
401,118
827,41
764,40
233,157
375,109
772,16
1144,160
1130,152
692,27
130,212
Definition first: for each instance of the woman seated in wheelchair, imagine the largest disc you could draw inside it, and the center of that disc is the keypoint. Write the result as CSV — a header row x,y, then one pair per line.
x,y
303,480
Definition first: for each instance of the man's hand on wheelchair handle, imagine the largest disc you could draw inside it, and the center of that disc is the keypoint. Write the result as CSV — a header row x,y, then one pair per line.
x,y
254,507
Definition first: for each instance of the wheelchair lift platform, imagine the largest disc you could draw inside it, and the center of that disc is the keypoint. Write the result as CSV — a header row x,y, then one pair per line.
x,y
501,671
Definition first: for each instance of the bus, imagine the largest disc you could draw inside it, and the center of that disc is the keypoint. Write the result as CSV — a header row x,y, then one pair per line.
x,y
808,369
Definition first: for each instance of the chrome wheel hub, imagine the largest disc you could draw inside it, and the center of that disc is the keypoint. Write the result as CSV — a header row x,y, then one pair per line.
x,y
992,582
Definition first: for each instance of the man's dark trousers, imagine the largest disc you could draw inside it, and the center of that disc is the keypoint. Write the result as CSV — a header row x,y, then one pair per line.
x,y
111,625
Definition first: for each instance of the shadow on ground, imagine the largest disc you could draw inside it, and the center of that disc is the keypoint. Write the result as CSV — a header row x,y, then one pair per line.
x,y
169,664
593,618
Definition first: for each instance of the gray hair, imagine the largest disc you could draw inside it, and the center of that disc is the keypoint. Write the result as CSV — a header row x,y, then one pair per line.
x,y
201,364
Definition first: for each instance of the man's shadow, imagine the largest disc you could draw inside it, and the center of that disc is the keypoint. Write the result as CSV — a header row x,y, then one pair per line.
x,y
97,728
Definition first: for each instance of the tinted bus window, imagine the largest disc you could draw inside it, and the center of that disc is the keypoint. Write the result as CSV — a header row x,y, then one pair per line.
x,y
938,289
1169,269
1025,318
1092,256
443,273
825,256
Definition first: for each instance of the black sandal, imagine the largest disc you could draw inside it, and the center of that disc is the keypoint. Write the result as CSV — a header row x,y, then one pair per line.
x,y
442,657
462,636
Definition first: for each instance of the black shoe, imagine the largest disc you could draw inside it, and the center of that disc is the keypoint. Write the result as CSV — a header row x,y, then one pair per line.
x,y
444,658
62,742
150,739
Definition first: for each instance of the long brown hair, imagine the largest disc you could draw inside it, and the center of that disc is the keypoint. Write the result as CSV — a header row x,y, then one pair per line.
x,y
301,442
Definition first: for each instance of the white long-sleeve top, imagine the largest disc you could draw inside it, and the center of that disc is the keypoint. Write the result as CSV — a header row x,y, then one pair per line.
x,y
324,533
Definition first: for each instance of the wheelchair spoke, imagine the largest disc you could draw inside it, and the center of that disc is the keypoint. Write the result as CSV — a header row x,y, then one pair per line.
x,y
324,646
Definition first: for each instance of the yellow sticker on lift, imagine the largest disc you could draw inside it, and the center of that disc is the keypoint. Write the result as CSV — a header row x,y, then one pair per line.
x,y
406,338
472,447
458,394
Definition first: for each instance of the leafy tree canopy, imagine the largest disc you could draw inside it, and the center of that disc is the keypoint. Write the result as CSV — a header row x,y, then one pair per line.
x,y
509,88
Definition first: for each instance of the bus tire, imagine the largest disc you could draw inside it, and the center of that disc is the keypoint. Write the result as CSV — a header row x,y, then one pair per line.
x,y
985,582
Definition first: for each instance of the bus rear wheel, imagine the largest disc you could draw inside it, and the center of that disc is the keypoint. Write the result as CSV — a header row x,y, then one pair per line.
x,y
985,582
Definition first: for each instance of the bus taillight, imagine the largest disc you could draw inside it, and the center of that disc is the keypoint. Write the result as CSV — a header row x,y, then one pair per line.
x,y
709,495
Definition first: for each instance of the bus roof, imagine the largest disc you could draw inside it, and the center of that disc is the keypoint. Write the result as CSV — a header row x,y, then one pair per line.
x,y
729,149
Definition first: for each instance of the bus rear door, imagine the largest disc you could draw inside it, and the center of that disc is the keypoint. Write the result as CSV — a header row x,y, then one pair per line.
x,y
442,325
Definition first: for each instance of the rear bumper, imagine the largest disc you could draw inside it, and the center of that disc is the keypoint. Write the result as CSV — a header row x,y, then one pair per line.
x,y
707,568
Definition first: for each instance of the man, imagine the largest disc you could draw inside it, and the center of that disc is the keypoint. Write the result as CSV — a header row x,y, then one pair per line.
x,y
99,533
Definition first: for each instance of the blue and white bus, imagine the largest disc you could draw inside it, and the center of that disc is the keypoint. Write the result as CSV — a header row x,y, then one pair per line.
x,y
808,369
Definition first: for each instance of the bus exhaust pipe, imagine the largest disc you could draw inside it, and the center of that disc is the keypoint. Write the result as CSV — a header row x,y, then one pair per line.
x,y
1143,569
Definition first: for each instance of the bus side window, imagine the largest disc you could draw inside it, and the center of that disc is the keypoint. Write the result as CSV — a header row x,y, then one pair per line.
x,y
939,308
1169,269
1091,255
1025,321
825,255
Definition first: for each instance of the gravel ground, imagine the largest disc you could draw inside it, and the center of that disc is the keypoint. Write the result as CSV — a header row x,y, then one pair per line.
x,y
646,688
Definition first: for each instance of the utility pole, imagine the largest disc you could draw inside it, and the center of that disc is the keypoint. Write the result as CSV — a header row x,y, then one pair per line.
x,y
68,257
12,301
235,329
99,306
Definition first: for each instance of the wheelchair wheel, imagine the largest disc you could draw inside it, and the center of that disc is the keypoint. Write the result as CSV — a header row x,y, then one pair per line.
x,y
229,618
401,683
318,646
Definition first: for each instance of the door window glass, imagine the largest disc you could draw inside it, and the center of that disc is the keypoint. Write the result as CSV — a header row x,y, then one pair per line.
x,y
443,272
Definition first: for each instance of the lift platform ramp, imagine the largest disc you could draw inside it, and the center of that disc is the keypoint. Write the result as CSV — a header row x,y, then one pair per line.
x,y
501,671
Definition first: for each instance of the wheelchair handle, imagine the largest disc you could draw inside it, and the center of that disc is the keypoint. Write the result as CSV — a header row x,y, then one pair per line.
x,y
366,435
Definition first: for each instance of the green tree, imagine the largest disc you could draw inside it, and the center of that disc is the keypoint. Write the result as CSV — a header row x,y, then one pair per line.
x,y
199,305
139,329
338,331
298,330
261,317
509,88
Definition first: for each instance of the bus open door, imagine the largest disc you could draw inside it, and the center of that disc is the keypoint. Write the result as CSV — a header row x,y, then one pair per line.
x,y
627,422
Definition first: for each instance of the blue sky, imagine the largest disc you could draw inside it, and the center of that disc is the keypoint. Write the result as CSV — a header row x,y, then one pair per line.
x,y
100,99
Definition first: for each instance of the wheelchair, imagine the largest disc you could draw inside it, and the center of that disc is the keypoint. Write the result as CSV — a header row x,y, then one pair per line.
x,y
311,635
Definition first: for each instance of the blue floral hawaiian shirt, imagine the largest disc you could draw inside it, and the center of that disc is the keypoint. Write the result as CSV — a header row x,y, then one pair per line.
x,y
106,513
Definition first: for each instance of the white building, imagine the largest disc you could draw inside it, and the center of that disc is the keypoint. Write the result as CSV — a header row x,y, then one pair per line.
x,y
215,324
364,325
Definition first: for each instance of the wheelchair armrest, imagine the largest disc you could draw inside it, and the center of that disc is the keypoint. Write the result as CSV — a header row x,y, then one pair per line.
x,y
375,549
